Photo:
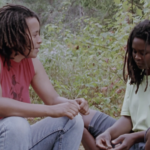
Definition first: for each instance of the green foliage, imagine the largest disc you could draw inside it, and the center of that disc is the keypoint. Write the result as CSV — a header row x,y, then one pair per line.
x,y
84,56
3,2
69,12
89,63
103,5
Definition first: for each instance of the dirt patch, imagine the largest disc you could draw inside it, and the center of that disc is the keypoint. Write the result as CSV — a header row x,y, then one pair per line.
x,y
81,147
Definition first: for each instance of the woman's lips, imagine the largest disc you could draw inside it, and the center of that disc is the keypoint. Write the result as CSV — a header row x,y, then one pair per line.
x,y
37,49
140,65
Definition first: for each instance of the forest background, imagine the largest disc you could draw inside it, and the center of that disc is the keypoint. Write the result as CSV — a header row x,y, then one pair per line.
x,y
84,43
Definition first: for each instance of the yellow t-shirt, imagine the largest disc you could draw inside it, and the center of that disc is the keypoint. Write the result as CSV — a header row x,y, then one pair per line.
x,y
137,106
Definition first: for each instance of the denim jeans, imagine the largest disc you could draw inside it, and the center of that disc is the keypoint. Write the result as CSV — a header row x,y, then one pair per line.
x,y
47,134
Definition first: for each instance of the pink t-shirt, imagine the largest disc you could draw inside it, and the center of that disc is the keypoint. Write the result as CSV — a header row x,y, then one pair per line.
x,y
15,82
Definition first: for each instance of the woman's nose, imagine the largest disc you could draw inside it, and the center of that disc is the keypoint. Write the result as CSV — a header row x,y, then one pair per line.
x,y
39,40
137,56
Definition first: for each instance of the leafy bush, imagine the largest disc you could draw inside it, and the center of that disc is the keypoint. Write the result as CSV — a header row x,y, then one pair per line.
x,y
89,64
88,61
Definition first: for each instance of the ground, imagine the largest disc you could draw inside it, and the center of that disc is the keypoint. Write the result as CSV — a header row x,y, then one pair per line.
x,y
81,147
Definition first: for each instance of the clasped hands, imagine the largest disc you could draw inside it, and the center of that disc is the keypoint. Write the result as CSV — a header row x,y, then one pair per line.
x,y
84,107
123,142
71,108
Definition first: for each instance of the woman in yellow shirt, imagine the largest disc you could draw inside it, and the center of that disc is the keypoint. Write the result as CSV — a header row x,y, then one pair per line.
x,y
131,131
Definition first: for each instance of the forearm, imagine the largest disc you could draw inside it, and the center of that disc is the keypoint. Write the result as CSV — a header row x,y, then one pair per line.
x,y
10,107
88,141
59,100
122,126
147,140
138,136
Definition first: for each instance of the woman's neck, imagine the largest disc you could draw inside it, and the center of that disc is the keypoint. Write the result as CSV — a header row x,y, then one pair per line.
x,y
147,72
17,58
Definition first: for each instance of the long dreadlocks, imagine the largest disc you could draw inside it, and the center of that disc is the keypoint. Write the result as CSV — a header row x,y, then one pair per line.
x,y
13,31
136,75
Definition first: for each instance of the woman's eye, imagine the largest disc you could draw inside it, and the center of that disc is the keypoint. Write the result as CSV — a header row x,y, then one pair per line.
x,y
35,35
134,51
144,53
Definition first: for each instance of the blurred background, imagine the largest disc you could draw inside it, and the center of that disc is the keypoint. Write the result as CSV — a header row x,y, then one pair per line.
x,y
84,42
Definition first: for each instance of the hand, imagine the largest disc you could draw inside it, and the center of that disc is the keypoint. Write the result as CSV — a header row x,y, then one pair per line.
x,y
84,107
103,141
125,141
69,109
147,145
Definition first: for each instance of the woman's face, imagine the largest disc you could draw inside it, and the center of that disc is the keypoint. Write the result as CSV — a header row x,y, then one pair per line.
x,y
34,28
141,55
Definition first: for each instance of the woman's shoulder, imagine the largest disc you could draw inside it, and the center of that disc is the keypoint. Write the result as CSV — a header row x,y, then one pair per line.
x,y
35,61
37,64
130,88
1,68
1,64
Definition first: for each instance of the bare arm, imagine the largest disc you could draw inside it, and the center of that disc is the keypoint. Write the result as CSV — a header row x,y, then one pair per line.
x,y
120,133
46,92
43,86
147,145
126,141
122,126
10,107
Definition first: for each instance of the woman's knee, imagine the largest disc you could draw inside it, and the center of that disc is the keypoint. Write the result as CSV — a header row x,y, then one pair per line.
x,y
77,127
87,118
78,124
15,133
17,127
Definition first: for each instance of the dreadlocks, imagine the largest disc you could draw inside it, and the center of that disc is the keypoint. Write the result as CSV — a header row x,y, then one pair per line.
x,y
136,75
13,31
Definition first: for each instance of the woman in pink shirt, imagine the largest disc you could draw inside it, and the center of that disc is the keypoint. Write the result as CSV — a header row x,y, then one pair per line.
x,y
19,45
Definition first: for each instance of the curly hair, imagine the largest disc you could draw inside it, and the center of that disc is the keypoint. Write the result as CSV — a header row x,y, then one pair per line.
x,y
13,31
136,75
